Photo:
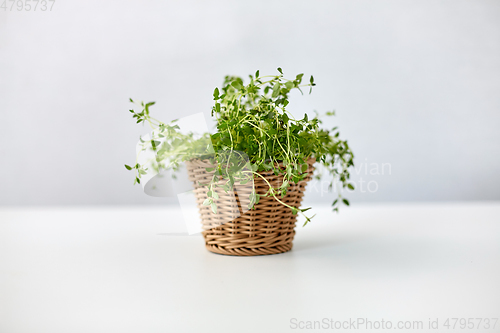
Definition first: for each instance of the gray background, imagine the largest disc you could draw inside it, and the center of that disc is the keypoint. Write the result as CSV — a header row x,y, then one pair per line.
x,y
415,84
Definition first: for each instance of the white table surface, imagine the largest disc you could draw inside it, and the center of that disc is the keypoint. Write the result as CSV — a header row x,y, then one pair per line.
x,y
119,269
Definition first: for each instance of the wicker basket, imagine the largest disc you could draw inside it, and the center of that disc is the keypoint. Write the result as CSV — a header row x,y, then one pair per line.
x,y
266,229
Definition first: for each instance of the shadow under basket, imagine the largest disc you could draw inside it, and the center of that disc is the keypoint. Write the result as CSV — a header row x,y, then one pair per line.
x,y
235,230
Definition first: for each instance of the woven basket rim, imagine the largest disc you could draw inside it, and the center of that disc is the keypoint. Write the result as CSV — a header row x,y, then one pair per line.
x,y
206,161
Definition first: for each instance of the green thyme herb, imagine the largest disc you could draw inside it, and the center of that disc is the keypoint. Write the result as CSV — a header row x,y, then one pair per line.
x,y
253,118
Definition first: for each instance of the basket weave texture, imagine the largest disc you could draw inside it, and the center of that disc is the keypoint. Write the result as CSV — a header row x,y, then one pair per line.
x,y
235,230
